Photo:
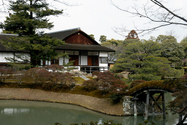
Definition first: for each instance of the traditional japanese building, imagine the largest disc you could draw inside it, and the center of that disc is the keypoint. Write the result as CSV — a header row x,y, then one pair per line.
x,y
88,54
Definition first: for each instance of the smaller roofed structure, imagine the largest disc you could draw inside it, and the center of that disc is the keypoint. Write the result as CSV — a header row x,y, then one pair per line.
x,y
132,35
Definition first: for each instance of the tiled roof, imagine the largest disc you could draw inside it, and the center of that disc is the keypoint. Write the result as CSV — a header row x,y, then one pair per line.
x,y
84,47
5,37
64,33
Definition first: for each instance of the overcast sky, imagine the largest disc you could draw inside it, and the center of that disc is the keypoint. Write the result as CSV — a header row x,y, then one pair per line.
x,y
100,17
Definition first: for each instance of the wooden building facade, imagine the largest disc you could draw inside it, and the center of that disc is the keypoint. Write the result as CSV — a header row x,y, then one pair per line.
x,y
86,53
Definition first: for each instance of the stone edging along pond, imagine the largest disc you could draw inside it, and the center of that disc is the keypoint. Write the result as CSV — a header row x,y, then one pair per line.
x,y
102,105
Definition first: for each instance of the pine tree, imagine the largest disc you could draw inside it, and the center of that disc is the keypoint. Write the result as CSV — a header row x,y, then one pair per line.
x,y
142,60
28,19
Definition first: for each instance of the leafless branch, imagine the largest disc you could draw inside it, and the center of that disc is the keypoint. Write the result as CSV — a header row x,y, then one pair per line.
x,y
66,3
162,15
182,111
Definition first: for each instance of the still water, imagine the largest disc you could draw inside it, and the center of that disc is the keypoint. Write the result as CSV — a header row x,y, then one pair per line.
x,y
14,112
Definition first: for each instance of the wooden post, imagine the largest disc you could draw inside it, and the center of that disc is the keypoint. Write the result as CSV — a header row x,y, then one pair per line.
x,y
163,105
147,105
135,108
180,120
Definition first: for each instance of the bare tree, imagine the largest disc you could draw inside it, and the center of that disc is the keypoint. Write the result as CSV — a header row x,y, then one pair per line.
x,y
155,12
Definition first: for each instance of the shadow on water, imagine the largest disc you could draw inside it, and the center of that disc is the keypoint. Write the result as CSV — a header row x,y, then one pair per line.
x,y
41,113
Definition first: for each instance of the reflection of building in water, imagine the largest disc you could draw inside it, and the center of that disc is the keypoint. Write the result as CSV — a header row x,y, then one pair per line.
x,y
14,110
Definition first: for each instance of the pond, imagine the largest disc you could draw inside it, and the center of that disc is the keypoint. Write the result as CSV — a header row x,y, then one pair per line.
x,y
15,112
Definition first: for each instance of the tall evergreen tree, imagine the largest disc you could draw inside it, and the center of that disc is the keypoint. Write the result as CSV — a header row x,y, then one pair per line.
x,y
28,19
172,50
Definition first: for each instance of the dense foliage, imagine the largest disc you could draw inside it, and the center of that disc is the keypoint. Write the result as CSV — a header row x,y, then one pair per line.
x,y
143,60
50,74
179,104
116,45
107,82
172,50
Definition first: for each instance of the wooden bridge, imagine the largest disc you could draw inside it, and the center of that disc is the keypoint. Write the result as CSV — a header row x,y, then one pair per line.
x,y
148,98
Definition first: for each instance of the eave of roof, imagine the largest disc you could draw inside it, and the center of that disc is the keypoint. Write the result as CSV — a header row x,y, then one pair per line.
x,y
62,35
81,47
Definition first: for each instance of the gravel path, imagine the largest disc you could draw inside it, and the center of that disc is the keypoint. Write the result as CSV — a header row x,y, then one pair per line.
x,y
96,104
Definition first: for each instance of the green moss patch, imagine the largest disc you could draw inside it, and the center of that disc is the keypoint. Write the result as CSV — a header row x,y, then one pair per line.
x,y
150,85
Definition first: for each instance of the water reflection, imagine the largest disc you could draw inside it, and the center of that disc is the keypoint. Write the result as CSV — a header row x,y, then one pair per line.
x,y
9,111
41,113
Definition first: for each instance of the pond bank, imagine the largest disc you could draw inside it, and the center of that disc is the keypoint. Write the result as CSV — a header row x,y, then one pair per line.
x,y
102,105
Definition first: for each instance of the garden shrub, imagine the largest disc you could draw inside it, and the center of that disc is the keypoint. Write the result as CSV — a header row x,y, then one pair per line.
x,y
5,73
37,75
179,104
55,68
106,82
48,86
90,85
66,78
116,98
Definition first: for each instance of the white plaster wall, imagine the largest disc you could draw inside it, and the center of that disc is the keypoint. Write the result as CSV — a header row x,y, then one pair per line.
x,y
5,54
103,54
23,55
103,67
61,61
66,60
83,60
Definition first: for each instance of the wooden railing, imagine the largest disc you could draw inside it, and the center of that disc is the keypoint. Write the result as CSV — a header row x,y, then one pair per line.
x,y
91,69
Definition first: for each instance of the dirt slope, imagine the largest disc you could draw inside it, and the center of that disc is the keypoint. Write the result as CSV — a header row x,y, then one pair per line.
x,y
97,104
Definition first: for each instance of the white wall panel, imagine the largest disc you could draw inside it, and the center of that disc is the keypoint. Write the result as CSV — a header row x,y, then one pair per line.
x,y
7,55
1,56
66,60
83,60
61,61
103,54
23,56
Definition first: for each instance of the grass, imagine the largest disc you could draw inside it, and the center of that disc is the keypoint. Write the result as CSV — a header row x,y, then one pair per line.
x,y
79,80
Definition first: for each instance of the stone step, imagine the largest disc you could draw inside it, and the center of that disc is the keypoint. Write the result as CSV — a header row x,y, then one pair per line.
x,y
84,77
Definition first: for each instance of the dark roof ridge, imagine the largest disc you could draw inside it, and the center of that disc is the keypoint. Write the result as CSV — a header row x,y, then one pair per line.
x,y
78,28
